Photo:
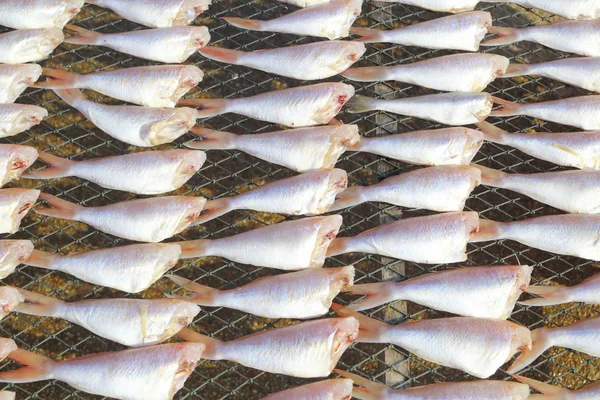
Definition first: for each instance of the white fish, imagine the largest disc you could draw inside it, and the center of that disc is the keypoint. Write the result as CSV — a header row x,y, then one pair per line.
x,y
447,108
581,111
444,188
434,239
573,9
570,149
134,125
144,220
149,172
10,298
289,245
301,149
583,72
455,32
581,336
587,291
470,72
448,146
302,294
331,389
130,322
6,395
13,253
32,14
157,13
14,160
295,107
16,118
579,37
568,234
450,6
15,78
485,292
576,192
311,193
29,45
147,373
14,205
306,62
468,390
168,45
306,350
304,3
6,347
131,268
329,20
550,392
150,86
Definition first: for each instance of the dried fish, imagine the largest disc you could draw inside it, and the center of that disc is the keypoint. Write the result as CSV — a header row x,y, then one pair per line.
x,y
14,205
15,78
13,253
14,160
29,45
32,14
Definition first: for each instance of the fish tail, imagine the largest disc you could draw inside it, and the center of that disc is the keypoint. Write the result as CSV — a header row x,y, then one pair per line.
x,y
37,368
59,79
213,209
492,133
370,329
548,295
83,36
58,167
540,342
488,231
514,70
350,197
491,177
220,54
211,344
211,139
504,36
203,295
376,295
368,35
242,23
369,391
359,104
340,245
206,107
508,109
366,74
41,259
58,208
38,304
550,392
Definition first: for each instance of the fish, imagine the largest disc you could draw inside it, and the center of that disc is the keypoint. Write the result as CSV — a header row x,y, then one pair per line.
x,y
449,6
576,192
132,268
10,298
289,245
130,322
329,20
134,125
146,373
566,234
579,37
309,349
7,346
574,9
29,45
330,389
447,146
156,13
34,14
578,111
455,32
14,160
15,78
7,395
17,118
483,292
455,108
311,193
15,203
434,239
150,172
571,149
584,292
168,45
550,392
144,220
478,346
301,149
580,336
370,390
310,61
467,72
577,71
305,3
296,107
444,188
301,295
150,86
13,253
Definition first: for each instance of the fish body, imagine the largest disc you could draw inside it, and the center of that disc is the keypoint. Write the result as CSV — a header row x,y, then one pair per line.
x,y
574,9
13,253
29,45
6,347
10,298
14,205
551,392
331,389
450,6
33,14
6,395
15,78
16,118
14,160
585,292
304,3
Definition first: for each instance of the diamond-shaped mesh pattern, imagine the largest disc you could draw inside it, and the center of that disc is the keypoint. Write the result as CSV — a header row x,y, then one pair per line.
x,y
66,132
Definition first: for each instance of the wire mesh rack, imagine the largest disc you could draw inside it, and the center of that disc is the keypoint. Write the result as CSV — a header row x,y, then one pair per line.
x,y
67,133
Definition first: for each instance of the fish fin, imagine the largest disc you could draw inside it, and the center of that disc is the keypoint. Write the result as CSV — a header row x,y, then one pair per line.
x,y
58,167
367,35
211,344
40,259
366,74
220,54
350,197
60,79
508,109
488,231
58,208
83,36
377,294
552,391
370,329
489,176
540,342
213,209
369,391
504,36
204,295
242,23
206,107
360,104
211,139
37,368
514,70
492,133
193,248
38,304
549,295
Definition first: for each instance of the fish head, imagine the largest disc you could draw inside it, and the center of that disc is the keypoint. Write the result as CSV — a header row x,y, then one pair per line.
x,y
189,355
16,160
13,253
346,333
9,299
7,346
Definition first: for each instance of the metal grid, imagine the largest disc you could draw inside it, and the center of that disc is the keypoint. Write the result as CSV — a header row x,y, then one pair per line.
x,y
65,132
